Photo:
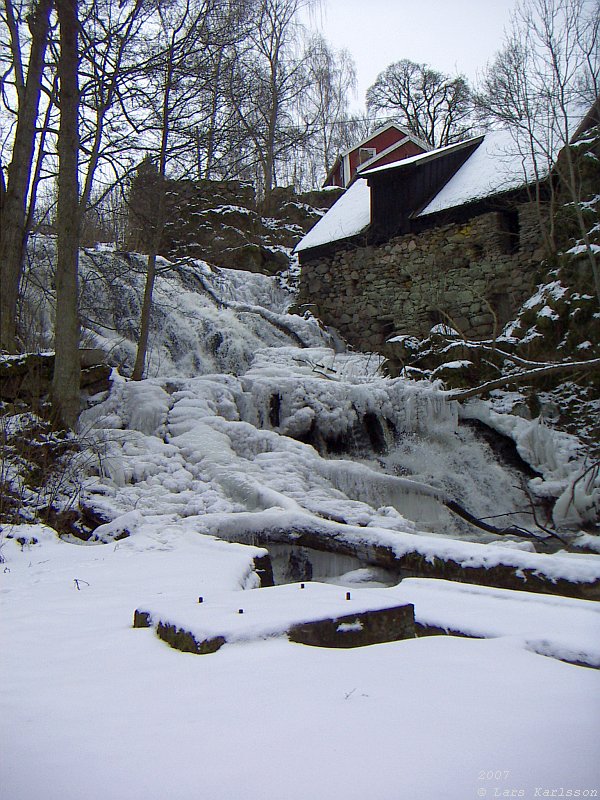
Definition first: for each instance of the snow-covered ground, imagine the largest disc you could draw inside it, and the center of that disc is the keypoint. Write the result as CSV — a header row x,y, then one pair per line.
x,y
244,433
92,708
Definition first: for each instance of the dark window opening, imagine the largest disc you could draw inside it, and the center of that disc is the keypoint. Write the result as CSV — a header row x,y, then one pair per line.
x,y
435,317
366,153
509,228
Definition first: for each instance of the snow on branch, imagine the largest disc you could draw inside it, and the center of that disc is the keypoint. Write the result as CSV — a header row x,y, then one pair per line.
x,y
522,377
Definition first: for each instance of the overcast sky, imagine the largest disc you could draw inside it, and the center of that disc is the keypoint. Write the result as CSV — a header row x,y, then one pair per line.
x,y
454,36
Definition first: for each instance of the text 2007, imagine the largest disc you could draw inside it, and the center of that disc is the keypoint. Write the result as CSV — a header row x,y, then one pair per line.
x,y
493,774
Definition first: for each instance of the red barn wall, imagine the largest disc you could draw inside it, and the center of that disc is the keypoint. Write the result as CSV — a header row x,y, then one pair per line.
x,y
380,142
406,151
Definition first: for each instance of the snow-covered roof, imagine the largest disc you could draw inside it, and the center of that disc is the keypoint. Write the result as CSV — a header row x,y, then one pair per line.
x,y
497,165
430,155
350,215
505,161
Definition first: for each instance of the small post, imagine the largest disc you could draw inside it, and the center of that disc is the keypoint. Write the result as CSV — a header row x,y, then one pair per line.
x,y
200,599
347,595
241,611
302,586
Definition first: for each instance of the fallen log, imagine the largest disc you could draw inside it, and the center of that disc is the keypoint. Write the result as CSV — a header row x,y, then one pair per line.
x,y
411,555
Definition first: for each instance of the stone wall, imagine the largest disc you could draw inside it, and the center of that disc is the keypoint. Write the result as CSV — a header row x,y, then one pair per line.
x,y
221,221
471,275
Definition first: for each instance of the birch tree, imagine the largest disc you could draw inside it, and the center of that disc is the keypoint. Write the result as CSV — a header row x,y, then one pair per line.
x,y
217,133
331,79
267,85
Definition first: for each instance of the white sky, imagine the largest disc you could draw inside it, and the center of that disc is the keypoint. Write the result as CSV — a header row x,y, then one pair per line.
x,y
454,36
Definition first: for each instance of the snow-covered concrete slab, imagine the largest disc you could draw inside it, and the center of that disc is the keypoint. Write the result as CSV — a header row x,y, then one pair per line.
x,y
560,627
309,613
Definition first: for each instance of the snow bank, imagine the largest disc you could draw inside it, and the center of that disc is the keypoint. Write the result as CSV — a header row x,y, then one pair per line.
x,y
369,541
109,711
553,626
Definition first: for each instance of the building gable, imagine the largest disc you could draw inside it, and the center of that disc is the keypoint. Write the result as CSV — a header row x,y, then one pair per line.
x,y
391,142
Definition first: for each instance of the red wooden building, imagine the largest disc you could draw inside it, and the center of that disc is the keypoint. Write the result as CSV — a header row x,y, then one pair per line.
x,y
384,146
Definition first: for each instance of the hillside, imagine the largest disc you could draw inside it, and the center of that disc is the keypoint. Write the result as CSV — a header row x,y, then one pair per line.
x,y
260,449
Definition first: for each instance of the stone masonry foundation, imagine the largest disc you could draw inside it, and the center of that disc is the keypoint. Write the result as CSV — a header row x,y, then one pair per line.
x,y
472,276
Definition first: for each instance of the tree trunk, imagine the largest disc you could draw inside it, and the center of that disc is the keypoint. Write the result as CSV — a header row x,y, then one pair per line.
x,y
212,128
142,348
65,383
37,172
268,159
14,210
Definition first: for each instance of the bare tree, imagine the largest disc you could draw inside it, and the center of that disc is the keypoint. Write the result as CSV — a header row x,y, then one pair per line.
x,y
110,35
14,205
267,84
108,31
218,135
431,105
331,78
175,88
540,85
65,383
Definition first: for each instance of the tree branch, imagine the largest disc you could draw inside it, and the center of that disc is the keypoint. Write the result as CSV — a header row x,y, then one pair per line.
x,y
522,377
